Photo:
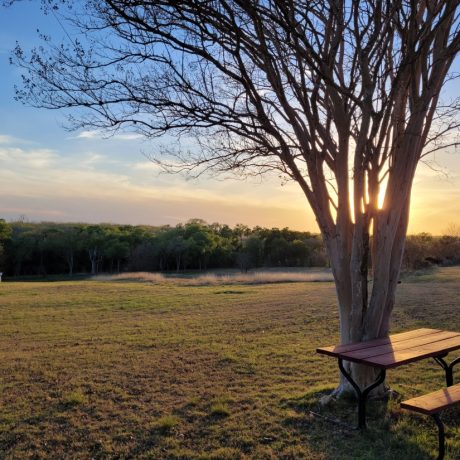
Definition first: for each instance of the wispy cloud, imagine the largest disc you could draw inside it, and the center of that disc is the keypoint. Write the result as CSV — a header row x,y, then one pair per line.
x,y
87,135
94,134
42,183
145,166
6,139
127,136
17,159
96,185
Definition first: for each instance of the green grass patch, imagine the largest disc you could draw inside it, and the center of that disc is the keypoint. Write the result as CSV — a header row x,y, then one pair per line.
x,y
151,370
166,424
74,398
220,407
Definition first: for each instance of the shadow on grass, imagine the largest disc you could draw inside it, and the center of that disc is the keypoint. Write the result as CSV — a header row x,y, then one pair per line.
x,y
330,429
326,432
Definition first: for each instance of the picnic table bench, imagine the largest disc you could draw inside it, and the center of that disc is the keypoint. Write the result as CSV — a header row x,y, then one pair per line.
x,y
394,351
432,404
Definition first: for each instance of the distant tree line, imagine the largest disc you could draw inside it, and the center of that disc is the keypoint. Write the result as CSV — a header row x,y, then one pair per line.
x,y
423,250
50,248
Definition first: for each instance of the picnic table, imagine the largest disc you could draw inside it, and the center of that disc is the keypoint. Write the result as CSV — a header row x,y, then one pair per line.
x,y
394,351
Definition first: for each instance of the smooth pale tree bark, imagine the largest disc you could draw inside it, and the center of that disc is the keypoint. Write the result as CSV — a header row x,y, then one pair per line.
x,y
342,97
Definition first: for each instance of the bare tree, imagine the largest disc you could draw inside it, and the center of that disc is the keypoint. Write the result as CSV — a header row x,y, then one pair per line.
x,y
342,97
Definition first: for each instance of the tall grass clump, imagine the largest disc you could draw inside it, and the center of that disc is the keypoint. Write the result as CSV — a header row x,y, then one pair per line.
x,y
132,276
262,277
213,279
166,424
74,398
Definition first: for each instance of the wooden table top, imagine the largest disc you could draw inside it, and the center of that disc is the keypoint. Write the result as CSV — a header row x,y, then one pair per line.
x,y
397,349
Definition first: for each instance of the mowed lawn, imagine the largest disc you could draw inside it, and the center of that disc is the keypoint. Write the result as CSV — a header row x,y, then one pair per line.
x,y
99,369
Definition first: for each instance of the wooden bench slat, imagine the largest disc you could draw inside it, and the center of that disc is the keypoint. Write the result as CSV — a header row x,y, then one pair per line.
x,y
432,403
389,360
401,345
339,349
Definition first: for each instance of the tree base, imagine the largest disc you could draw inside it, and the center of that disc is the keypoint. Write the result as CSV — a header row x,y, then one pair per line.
x,y
345,392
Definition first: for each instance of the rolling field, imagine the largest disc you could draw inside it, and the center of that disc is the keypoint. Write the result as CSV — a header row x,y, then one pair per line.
x,y
164,370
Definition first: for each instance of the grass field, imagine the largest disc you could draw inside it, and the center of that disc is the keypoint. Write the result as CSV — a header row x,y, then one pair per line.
x,y
162,370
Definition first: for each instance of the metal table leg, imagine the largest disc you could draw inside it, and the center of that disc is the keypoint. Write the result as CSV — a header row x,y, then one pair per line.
x,y
362,394
441,436
448,368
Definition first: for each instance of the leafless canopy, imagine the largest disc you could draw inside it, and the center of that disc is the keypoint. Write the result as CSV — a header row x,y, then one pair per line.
x,y
340,96
295,86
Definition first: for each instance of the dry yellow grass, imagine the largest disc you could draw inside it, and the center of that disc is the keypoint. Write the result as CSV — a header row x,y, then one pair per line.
x,y
141,370
255,277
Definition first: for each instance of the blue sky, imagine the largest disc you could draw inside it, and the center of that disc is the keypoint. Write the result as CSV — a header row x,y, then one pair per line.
x,y
48,173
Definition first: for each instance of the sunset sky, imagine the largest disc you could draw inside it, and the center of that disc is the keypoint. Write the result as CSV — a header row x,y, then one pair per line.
x,y
50,174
